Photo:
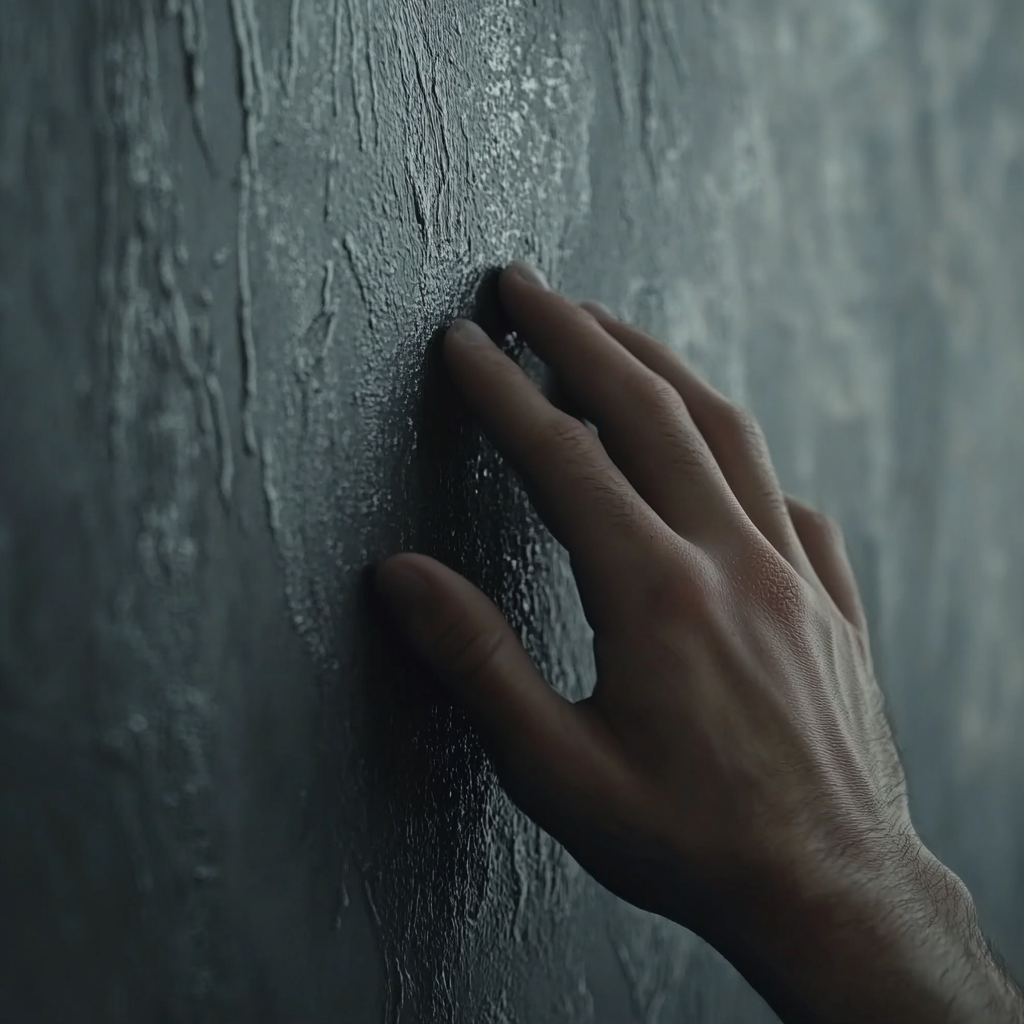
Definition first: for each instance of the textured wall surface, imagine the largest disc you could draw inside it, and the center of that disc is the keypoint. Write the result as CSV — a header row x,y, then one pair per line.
x,y
229,233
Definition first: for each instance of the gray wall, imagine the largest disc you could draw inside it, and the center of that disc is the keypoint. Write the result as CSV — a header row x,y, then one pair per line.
x,y
230,234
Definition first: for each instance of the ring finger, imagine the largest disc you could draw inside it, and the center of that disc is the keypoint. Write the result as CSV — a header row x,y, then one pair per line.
x,y
733,436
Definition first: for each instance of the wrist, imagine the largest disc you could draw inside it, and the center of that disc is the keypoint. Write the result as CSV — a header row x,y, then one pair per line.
x,y
892,937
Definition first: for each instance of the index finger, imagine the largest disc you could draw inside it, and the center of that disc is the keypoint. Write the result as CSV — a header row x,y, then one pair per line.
x,y
611,534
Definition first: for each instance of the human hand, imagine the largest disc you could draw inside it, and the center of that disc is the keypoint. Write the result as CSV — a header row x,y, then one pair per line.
x,y
733,770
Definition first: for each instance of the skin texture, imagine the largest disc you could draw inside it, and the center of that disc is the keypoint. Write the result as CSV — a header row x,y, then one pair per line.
x,y
733,770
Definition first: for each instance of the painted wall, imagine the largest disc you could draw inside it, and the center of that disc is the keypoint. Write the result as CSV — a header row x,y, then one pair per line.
x,y
229,234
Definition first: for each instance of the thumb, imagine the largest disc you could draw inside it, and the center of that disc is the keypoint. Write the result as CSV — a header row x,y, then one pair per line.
x,y
531,732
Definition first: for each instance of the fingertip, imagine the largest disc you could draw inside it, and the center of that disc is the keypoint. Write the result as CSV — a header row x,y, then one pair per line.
x,y
464,343
519,284
466,332
519,272
401,584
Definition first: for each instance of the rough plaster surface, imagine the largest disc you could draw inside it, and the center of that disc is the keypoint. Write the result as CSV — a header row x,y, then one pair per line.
x,y
231,231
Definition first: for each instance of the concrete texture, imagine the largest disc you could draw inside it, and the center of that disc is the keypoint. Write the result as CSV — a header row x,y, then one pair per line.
x,y
229,234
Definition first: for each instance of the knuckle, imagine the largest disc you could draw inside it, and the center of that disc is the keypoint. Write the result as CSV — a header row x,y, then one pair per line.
x,y
768,492
624,511
561,433
667,414
690,455
773,500
659,394
743,431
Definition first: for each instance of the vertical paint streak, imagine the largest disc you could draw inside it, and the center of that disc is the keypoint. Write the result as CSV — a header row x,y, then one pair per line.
x,y
448,205
125,347
427,181
295,37
271,495
336,58
522,887
356,29
421,200
225,448
192,23
250,385
371,64
329,184
617,45
254,107
372,904
254,87
181,328
332,327
326,299
400,971
151,59
673,46
180,321
156,382
357,262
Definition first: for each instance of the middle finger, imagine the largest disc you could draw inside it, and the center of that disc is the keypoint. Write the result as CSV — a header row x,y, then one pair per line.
x,y
643,422
733,436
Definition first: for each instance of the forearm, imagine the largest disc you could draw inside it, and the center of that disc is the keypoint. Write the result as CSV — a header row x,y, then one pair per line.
x,y
906,949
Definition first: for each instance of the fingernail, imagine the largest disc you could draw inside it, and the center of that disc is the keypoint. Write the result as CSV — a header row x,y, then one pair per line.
x,y
401,586
466,330
529,273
